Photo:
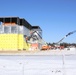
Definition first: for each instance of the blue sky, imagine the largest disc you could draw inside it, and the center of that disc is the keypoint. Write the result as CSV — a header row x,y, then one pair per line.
x,y
55,17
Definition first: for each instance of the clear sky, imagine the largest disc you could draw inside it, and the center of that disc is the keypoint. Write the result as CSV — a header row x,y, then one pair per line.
x,y
55,17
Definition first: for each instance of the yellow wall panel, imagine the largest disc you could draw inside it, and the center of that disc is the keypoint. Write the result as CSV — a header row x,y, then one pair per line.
x,y
13,42
8,42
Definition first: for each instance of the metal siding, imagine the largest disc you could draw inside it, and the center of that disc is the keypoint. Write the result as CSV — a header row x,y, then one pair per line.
x,y
26,31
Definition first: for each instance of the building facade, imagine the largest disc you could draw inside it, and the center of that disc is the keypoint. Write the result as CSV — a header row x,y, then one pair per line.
x,y
13,33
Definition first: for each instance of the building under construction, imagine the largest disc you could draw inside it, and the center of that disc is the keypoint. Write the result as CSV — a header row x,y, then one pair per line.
x,y
17,34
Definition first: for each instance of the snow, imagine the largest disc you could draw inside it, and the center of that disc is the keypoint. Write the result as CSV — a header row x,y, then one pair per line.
x,y
38,64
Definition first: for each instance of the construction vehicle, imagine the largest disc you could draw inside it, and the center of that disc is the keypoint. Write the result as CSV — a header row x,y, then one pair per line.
x,y
45,46
57,45
66,36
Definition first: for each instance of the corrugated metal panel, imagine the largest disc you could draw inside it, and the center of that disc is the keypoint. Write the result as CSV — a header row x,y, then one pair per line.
x,y
7,29
14,29
26,31
1,29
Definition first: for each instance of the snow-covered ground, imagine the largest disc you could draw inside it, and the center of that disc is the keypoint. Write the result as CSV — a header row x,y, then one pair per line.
x,y
63,64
